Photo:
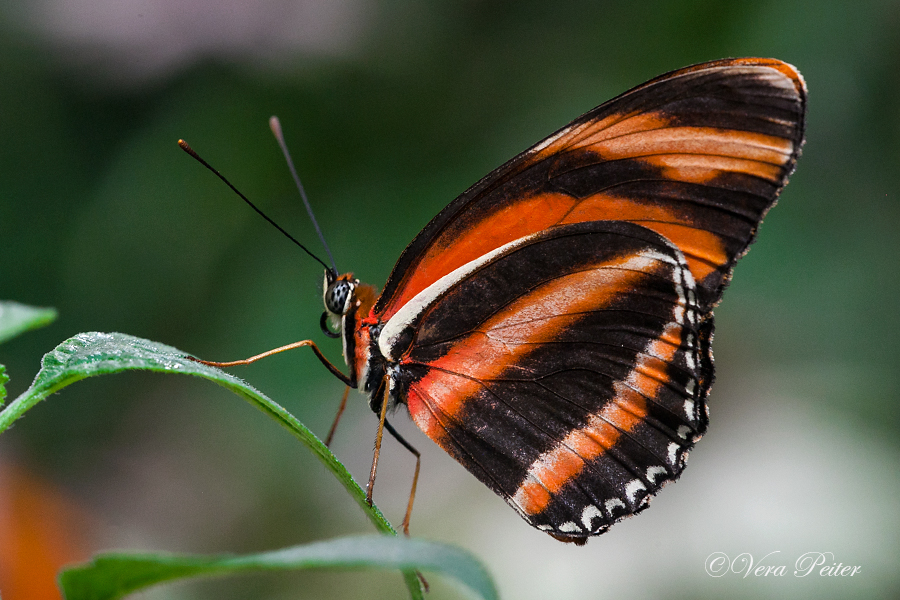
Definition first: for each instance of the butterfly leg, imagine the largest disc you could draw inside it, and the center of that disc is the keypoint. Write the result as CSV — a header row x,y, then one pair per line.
x,y
412,491
334,370
382,425
337,417
378,436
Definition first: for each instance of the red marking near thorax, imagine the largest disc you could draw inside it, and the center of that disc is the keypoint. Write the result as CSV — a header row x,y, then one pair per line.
x,y
364,301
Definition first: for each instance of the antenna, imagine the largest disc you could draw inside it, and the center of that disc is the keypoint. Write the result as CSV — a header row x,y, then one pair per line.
x,y
275,126
187,148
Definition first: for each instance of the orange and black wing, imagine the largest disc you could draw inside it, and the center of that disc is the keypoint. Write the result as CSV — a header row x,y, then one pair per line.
x,y
550,328
697,155
567,371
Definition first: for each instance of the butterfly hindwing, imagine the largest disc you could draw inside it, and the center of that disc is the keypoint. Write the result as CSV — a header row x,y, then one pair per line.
x,y
567,372
698,155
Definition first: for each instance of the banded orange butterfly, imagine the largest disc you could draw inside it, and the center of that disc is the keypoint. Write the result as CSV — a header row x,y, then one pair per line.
x,y
550,328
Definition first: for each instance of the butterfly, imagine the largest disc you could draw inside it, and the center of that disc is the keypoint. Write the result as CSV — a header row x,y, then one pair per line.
x,y
550,329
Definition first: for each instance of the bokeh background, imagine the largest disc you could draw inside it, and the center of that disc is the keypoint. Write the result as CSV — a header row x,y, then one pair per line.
x,y
391,108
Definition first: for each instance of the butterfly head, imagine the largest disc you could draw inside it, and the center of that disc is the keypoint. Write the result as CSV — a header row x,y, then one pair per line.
x,y
338,294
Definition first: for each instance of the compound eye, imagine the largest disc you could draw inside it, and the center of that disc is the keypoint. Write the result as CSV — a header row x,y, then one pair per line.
x,y
337,297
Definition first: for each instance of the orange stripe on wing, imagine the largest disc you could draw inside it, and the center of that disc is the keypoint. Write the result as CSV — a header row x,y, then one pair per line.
x,y
518,219
701,168
556,467
592,133
703,250
622,136
706,141
507,337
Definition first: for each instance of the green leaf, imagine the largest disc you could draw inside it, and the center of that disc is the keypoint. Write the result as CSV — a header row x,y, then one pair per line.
x,y
3,379
111,576
91,354
18,318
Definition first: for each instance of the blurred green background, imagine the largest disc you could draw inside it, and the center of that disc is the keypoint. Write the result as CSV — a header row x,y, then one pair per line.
x,y
391,109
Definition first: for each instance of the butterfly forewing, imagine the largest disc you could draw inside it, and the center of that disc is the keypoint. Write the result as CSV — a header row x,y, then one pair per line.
x,y
698,155
565,373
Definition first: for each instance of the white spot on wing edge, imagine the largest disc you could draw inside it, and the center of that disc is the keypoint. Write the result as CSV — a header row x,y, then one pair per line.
x,y
653,472
679,290
634,486
570,527
689,356
589,513
614,503
689,409
673,452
